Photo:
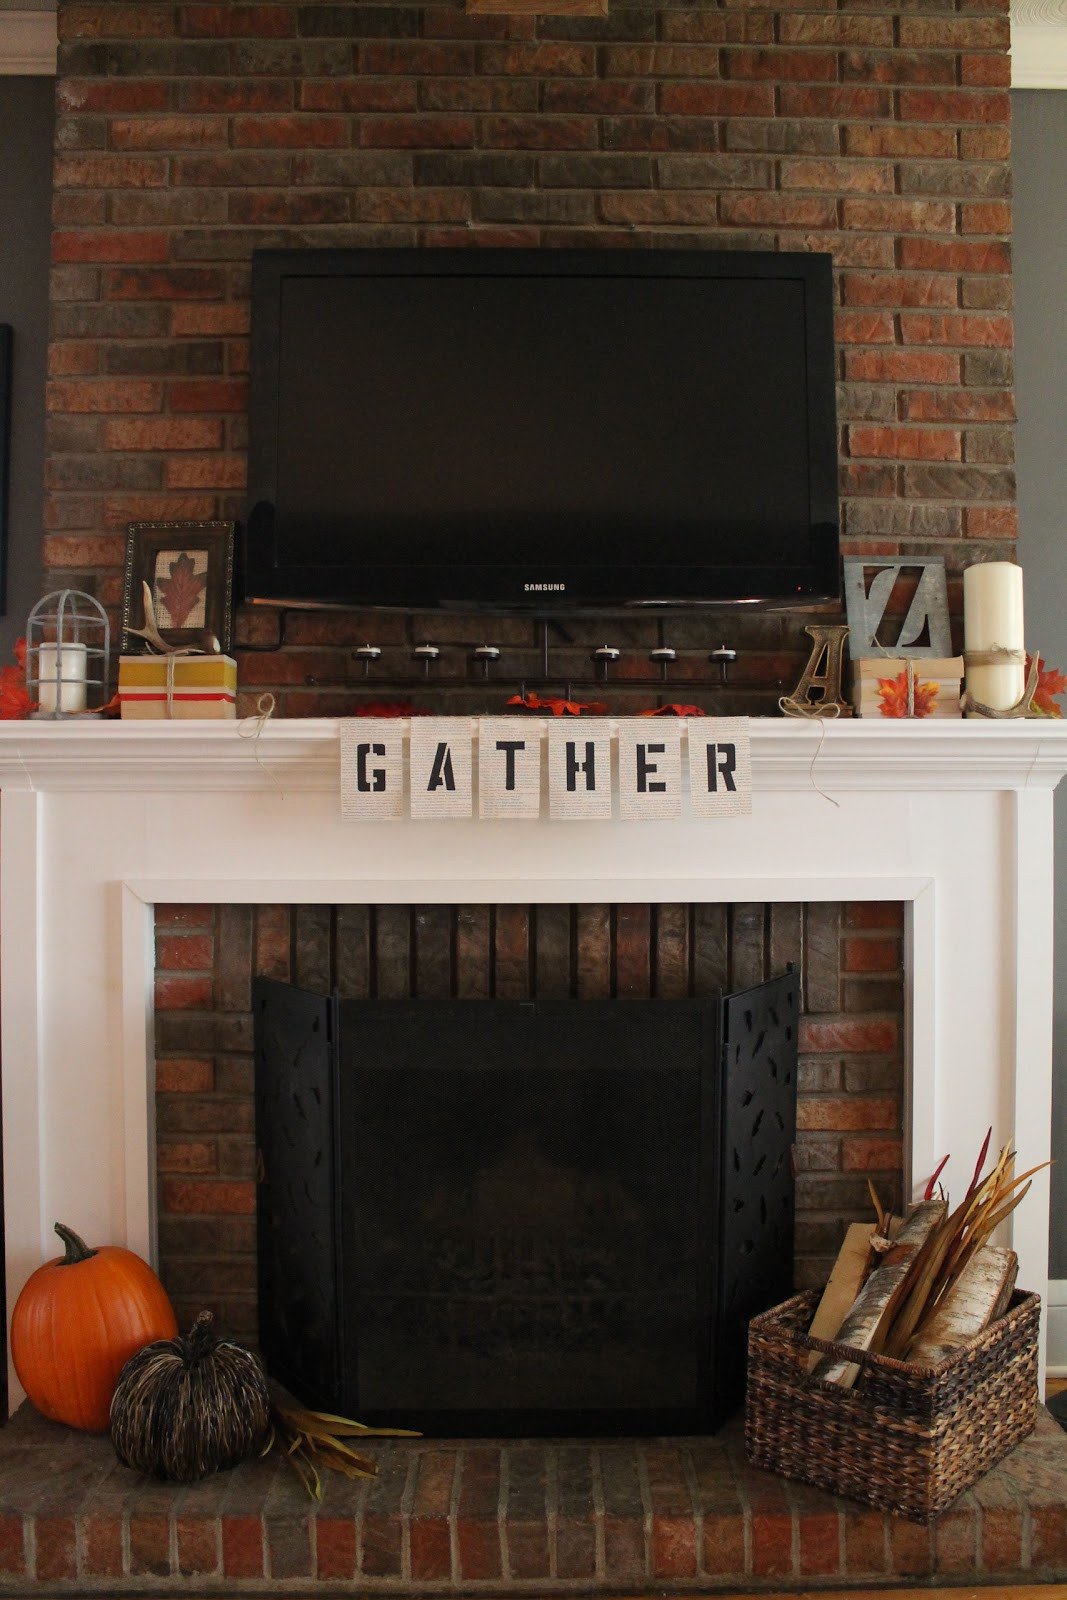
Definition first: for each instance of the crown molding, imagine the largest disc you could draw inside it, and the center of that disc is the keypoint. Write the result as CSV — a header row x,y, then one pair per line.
x,y
27,44
1039,44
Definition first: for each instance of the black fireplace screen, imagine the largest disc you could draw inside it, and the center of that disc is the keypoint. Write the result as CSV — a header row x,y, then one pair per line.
x,y
503,1217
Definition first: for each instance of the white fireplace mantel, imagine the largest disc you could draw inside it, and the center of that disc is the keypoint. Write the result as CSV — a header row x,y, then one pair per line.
x,y
101,821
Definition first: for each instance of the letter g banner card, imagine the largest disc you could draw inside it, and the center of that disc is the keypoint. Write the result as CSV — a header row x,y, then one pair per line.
x,y
372,769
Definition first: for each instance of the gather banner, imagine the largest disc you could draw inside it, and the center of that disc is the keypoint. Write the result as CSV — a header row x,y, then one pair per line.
x,y
596,768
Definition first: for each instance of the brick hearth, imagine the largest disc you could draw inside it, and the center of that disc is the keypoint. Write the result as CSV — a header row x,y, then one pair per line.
x,y
681,1515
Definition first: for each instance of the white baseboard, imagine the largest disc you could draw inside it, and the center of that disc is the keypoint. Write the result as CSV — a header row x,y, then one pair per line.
x,y
1057,1327
27,44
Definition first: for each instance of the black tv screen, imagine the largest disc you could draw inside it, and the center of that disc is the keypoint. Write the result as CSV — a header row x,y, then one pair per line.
x,y
541,429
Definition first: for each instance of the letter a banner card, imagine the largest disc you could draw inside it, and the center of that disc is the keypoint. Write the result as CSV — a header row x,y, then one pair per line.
x,y
650,769
720,767
579,770
372,769
440,767
509,768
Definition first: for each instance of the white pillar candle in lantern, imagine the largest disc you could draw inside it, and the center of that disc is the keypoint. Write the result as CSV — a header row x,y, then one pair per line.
x,y
993,621
72,661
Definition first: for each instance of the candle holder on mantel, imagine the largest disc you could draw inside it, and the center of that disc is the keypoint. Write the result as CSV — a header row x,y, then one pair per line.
x,y
68,655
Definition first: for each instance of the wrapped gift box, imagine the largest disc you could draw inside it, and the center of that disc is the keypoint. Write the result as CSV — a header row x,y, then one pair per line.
x,y
178,687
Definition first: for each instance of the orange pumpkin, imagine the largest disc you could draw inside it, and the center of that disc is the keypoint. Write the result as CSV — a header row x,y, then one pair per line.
x,y
78,1321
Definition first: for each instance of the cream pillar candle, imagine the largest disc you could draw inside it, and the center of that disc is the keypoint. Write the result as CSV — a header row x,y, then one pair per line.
x,y
72,675
993,620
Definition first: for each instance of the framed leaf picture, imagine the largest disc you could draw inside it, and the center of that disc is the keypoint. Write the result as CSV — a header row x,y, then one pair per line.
x,y
188,567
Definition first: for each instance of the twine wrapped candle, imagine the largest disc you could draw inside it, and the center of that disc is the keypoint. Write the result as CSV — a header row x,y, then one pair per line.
x,y
994,641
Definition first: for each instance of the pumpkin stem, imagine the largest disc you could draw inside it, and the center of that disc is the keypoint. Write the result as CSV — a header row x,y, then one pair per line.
x,y
200,1341
76,1249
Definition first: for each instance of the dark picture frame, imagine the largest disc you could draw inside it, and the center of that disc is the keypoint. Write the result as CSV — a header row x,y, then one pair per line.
x,y
188,567
6,345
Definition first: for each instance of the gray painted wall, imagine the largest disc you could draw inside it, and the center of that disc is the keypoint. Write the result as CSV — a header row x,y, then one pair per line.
x,y
27,117
1040,162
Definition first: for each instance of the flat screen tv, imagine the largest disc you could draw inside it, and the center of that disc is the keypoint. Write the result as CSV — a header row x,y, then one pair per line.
x,y
541,429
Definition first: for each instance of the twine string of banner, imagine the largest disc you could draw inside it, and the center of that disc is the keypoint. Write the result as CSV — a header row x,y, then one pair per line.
x,y
822,721
251,727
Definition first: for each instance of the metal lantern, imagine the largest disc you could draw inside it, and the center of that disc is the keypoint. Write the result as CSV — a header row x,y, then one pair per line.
x,y
68,654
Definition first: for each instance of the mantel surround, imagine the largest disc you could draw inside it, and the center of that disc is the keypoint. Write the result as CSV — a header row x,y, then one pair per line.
x,y
101,821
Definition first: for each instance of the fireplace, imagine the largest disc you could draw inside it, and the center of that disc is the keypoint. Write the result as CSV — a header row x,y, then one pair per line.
x,y
523,1218
951,819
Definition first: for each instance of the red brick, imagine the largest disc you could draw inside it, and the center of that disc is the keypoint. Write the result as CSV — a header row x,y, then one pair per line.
x,y
864,327
897,66
955,33
718,99
236,94
358,94
902,366
910,1548
86,551
149,1545
208,394
67,358
1048,1537
991,216
116,394
168,433
837,1113
335,1547
102,1544
772,1544
673,1547
111,94
13,1545
184,914
962,405
783,66
185,952
903,443
872,955
195,1156
109,172
56,1553
871,1155
205,472
184,1075
953,105
416,133
899,140
955,255
120,509
838,177
290,133
182,994
899,216
820,1543
991,522
985,72
109,244
191,1196
238,21
897,289
823,1037
538,133
852,101
724,1544
210,319
116,22
431,1549
963,328
417,58
242,1545
169,133
875,914
198,1545
164,283
865,1543
779,210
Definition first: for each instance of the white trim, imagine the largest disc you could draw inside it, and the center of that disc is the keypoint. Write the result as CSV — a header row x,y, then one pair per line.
x,y
28,44
1056,1319
1038,56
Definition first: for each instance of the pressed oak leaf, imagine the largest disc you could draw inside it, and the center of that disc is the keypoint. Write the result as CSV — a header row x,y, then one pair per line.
x,y
15,702
1049,683
557,707
893,693
181,592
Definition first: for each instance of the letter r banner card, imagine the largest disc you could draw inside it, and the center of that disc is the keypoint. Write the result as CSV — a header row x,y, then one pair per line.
x,y
509,767
440,767
372,769
579,769
650,768
720,767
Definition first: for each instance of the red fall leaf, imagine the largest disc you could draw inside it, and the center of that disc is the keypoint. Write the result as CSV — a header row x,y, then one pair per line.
x,y
182,590
15,702
893,693
1049,683
557,707
675,709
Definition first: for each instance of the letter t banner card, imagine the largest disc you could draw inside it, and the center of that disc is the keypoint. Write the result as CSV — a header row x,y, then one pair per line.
x,y
650,769
440,767
509,767
720,767
579,770
372,769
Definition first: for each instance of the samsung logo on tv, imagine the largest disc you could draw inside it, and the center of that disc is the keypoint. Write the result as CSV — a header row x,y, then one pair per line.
x,y
544,588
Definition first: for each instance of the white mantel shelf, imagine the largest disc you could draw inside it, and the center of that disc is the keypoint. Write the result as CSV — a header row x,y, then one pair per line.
x,y
102,821
303,755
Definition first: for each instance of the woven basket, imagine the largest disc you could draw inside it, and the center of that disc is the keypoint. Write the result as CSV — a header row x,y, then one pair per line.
x,y
907,1439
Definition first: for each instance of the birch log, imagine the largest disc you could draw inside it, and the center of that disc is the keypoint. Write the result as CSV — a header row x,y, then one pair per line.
x,y
980,1294
844,1285
863,1323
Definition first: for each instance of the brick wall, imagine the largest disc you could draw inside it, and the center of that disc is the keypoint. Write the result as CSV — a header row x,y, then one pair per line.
x,y
189,134
851,1040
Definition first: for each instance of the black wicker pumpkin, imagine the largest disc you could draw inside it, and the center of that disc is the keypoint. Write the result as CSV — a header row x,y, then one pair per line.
x,y
190,1406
